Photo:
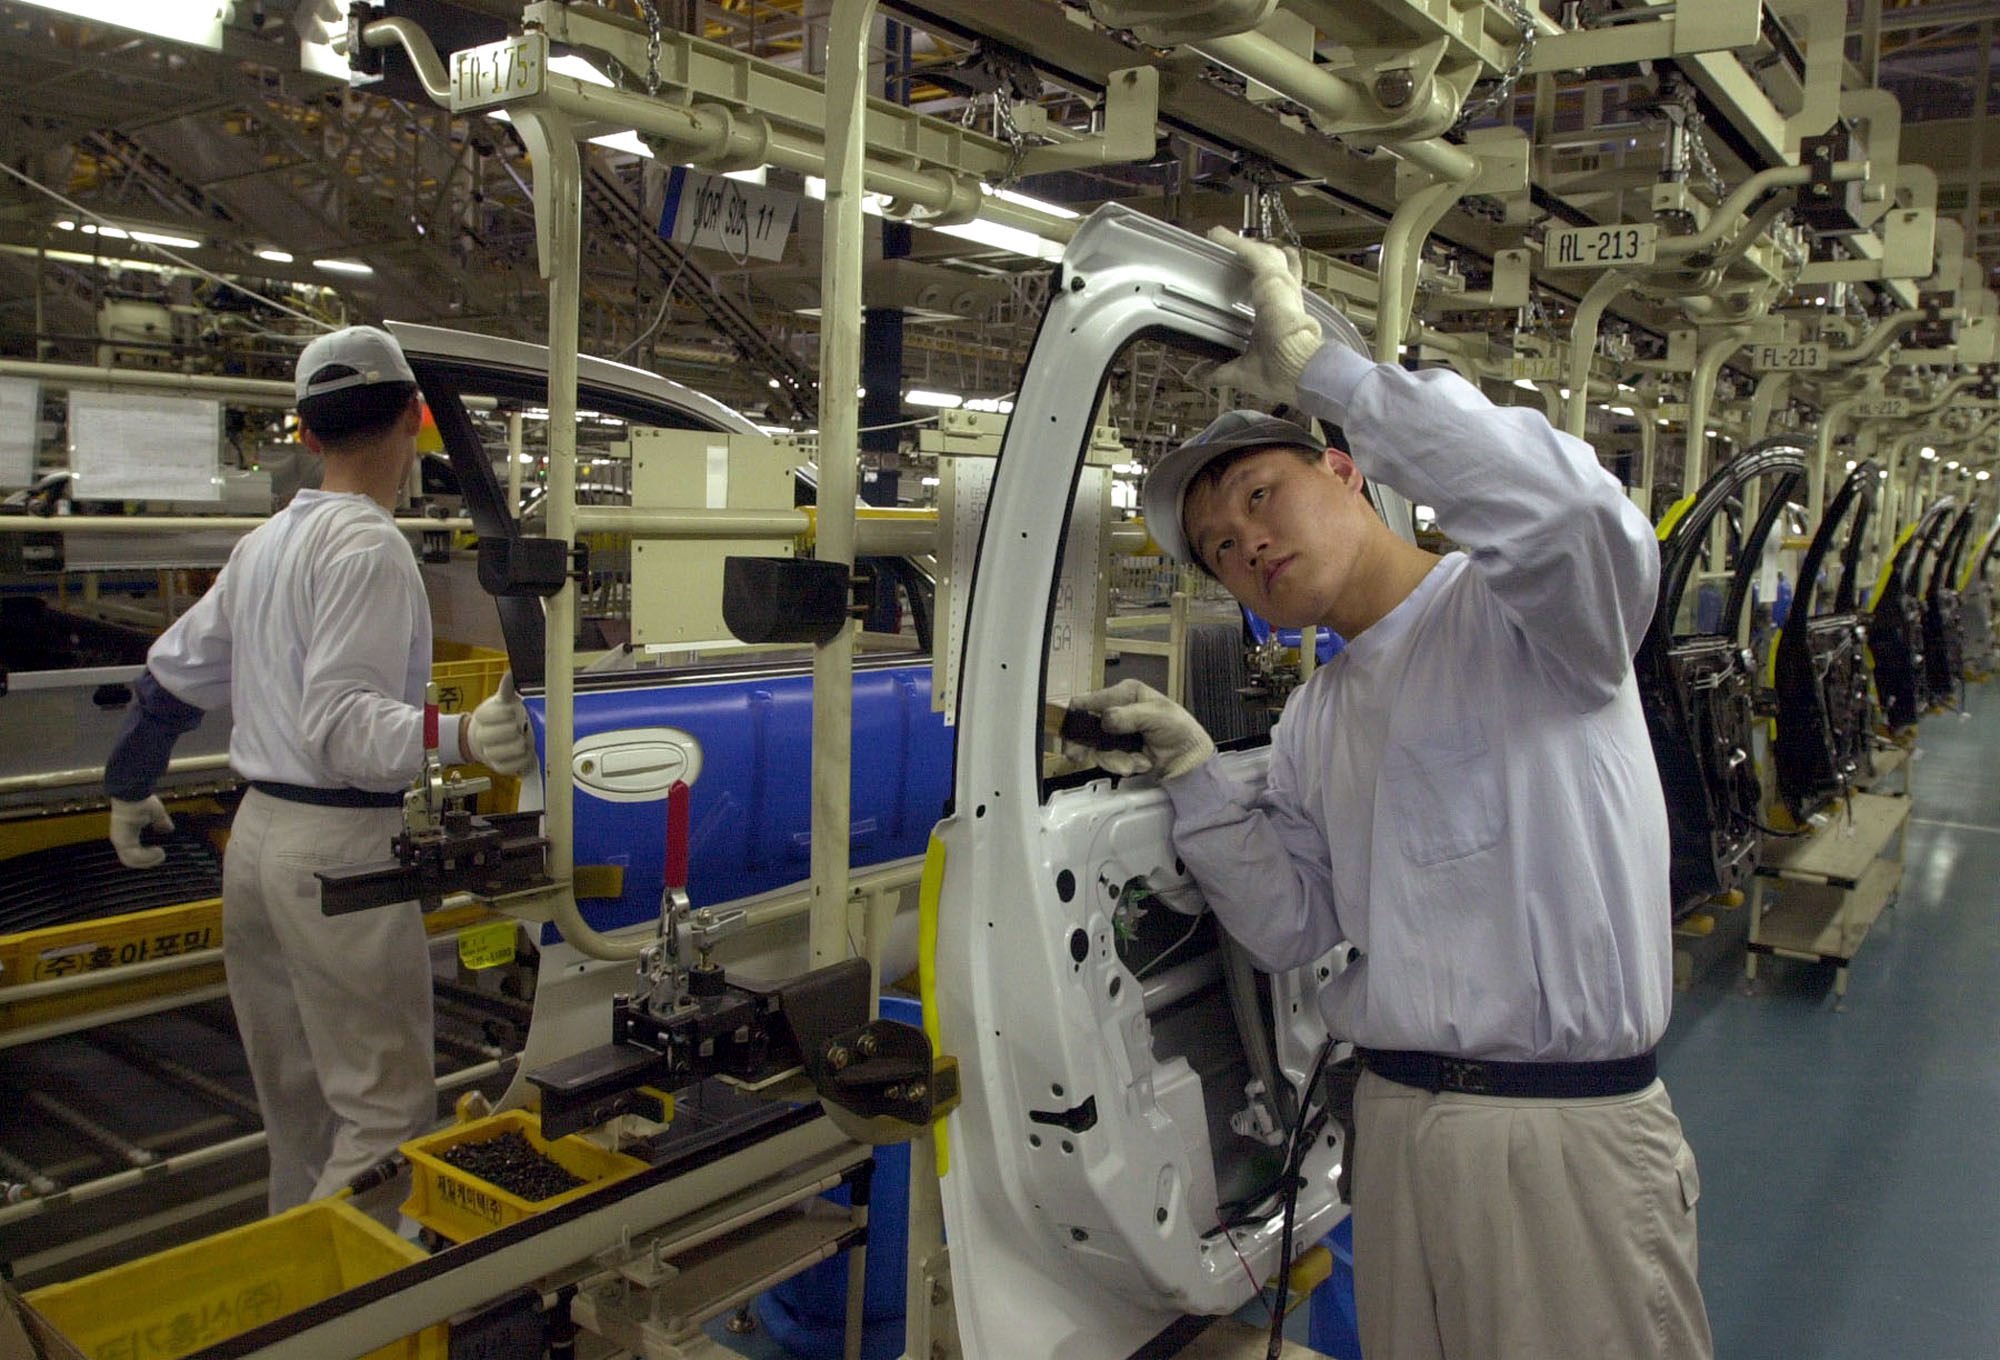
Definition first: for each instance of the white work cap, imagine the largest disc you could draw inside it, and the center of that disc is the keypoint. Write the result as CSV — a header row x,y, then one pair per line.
x,y
356,356
1165,493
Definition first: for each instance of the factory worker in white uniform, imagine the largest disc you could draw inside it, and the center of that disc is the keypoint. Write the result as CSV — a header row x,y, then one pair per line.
x,y
317,635
1467,797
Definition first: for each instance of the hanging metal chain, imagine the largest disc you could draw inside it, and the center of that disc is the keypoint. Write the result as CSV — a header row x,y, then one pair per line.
x,y
1005,128
1698,152
1273,221
652,13
1502,92
617,69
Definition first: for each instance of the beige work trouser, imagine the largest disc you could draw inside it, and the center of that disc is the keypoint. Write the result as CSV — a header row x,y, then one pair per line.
x,y
1491,1229
335,1011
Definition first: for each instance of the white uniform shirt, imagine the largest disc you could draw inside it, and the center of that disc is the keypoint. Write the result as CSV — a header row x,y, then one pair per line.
x,y
1466,794
317,634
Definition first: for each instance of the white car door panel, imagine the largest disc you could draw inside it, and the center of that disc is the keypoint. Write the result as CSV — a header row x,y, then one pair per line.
x,y
1099,1018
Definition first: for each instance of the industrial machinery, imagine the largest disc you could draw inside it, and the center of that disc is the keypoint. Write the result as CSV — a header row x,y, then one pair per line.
x,y
1896,637
1697,678
1696,239
1944,615
1975,590
1129,1075
1823,733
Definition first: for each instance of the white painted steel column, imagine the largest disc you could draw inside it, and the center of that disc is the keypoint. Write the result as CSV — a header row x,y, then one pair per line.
x,y
839,441
551,142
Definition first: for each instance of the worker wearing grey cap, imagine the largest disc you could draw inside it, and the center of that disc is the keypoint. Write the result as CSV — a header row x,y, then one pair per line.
x,y
1467,798
317,634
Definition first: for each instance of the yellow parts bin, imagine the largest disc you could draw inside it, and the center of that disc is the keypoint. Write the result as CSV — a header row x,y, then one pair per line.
x,y
178,1301
460,1206
465,676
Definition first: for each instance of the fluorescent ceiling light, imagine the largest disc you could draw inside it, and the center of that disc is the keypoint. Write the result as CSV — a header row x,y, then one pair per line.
x,y
946,400
1710,433
196,22
1927,452
627,142
1525,384
1623,411
932,481
1028,201
996,405
1011,239
151,238
275,256
1851,465
576,68
1952,466
1981,475
343,266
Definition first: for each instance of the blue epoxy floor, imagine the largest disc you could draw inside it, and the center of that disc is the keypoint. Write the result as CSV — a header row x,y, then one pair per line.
x,y
1850,1158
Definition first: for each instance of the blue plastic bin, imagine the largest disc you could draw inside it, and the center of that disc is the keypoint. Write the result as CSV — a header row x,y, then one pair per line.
x,y
807,1313
1331,1328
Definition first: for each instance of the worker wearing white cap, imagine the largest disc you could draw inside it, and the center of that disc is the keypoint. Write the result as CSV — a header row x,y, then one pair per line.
x,y
317,634
1466,797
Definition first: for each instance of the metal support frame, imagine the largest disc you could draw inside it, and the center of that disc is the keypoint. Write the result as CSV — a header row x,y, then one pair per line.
x,y
1701,391
724,110
839,450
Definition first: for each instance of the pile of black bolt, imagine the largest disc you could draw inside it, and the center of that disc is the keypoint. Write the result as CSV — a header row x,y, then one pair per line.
x,y
511,1163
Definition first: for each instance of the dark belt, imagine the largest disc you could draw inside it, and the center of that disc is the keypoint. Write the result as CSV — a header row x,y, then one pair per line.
x,y
340,798
1436,1072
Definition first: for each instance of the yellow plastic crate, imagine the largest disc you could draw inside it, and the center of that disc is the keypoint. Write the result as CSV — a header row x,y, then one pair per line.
x,y
460,1206
465,675
178,1301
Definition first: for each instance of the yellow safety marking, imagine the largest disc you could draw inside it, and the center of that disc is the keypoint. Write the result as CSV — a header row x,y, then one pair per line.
x,y
486,946
928,891
1975,557
1888,566
1308,1273
598,880
1675,513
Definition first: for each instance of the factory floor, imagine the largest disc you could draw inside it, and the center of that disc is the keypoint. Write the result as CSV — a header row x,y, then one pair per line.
x,y
1850,1152
1850,1155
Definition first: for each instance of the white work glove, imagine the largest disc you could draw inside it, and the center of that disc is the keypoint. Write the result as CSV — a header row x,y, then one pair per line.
x,y
128,820
1175,742
496,735
1282,337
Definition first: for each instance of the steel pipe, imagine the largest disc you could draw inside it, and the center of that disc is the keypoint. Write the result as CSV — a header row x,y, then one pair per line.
x,y
181,524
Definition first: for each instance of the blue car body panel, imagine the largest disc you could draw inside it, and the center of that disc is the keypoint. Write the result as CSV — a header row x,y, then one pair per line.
x,y
750,810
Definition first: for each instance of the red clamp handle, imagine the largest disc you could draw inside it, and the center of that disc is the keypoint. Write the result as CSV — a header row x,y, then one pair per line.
x,y
430,727
677,835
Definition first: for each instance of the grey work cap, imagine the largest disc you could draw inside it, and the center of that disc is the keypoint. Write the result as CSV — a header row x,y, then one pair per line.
x,y
356,356
1165,493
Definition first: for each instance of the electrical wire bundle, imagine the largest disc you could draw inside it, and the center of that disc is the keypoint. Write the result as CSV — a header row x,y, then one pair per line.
x,y
1306,1129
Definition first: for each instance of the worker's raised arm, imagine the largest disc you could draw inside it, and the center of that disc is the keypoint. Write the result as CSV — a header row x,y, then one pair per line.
x,y
1550,532
1565,552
